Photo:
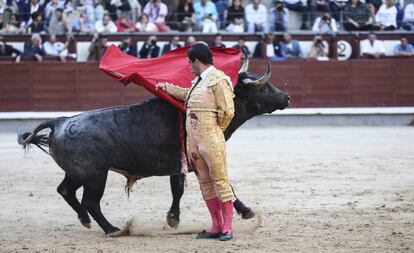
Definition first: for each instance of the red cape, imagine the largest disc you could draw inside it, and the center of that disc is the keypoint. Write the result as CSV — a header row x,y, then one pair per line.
x,y
171,67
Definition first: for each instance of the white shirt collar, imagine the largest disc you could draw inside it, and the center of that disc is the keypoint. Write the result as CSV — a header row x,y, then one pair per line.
x,y
207,71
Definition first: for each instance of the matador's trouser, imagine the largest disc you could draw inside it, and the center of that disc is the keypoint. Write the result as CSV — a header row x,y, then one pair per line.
x,y
206,142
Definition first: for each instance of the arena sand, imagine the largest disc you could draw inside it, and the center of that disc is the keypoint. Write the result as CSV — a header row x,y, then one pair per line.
x,y
315,189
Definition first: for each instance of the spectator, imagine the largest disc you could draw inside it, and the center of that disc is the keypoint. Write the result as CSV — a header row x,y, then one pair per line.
x,y
113,6
408,21
58,24
337,7
2,24
123,24
357,17
256,17
34,48
172,45
97,48
136,9
3,6
191,40
150,48
318,50
235,17
279,17
325,24
317,5
185,16
242,47
93,9
404,48
206,16
371,47
387,16
14,26
268,47
290,48
37,24
106,25
54,48
235,12
144,25
83,24
128,47
298,6
218,41
157,11
221,7
28,8
7,50
51,8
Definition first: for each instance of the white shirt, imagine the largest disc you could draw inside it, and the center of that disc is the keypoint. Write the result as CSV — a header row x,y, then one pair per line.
x,y
304,2
322,27
53,49
206,72
409,12
100,27
270,51
367,47
150,27
387,16
255,16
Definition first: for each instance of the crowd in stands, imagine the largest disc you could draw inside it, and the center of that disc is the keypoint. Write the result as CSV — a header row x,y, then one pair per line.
x,y
321,16
66,17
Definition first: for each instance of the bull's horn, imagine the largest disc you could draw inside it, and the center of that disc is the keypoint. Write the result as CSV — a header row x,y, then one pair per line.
x,y
262,80
245,65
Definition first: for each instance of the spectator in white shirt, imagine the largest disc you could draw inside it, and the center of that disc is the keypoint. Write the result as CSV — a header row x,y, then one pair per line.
x,y
256,17
54,48
106,25
325,24
408,21
387,16
371,47
144,25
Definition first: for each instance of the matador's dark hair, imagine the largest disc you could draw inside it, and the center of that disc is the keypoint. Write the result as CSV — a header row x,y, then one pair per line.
x,y
201,52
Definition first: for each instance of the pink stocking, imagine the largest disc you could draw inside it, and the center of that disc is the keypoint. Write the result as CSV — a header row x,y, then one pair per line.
x,y
214,206
227,209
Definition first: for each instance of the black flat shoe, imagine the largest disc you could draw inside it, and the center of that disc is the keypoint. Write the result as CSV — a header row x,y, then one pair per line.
x,y
226,236
207,235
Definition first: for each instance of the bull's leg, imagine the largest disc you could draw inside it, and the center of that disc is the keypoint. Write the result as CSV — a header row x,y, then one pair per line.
x,y
68,189
177,190
93,191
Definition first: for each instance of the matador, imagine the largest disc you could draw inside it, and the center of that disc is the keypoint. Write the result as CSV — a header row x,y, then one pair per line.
x,y
209,110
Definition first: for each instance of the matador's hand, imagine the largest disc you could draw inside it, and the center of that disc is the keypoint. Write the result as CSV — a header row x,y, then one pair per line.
x,y
161,86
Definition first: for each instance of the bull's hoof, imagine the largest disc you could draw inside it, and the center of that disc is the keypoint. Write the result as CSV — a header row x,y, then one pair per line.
x,y
173,220
85,221
117,233
248,215
86,224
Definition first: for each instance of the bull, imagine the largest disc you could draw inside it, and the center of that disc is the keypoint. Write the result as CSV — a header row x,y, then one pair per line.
x,y
137,141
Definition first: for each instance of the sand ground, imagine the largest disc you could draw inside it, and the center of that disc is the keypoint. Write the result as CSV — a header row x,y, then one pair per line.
x,y
316,189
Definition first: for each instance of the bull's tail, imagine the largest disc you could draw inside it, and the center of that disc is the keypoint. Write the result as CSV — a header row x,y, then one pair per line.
x,y
41,140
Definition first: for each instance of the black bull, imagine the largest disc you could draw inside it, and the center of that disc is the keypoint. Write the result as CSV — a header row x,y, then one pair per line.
x,y
139,140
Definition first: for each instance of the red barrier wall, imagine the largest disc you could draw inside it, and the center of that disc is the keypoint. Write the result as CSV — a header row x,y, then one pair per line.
x,y
82,86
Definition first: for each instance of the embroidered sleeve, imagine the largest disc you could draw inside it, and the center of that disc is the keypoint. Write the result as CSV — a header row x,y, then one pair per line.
x,y
175,91
225,105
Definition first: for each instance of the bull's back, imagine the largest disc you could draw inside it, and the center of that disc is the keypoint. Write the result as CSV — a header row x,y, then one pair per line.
x,y
141,139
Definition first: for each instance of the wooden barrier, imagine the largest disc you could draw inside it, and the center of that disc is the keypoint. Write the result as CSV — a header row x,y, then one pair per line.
x,y
72,86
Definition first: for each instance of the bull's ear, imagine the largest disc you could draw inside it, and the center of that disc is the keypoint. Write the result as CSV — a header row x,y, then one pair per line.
x,y
262,80
245,65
